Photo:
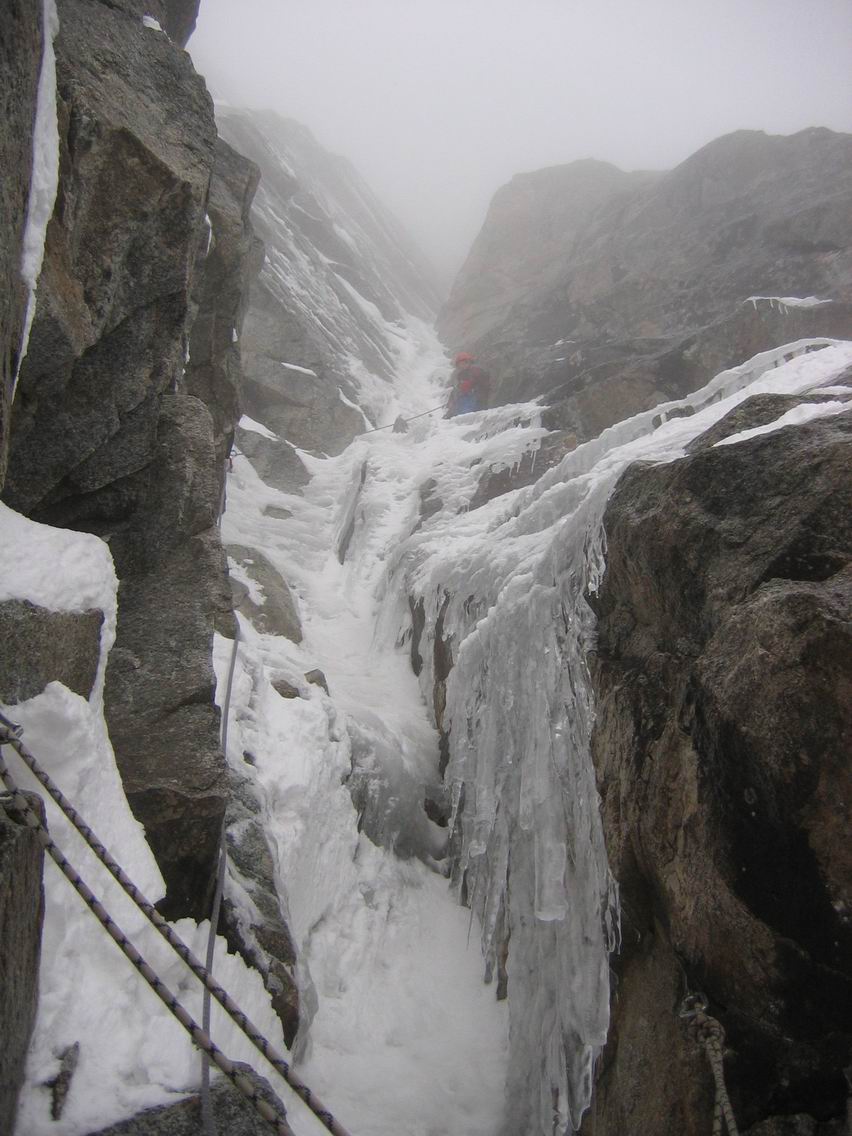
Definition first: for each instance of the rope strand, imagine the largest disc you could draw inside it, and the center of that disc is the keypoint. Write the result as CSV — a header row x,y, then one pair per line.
x,y
199,1036
710,1033
10,734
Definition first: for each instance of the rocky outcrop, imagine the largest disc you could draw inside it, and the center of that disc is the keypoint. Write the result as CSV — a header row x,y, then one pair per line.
x,y
609,292
21,915
107,339
265,597
42,646
723,683
20,62
179,18
231,259
159,686
339,277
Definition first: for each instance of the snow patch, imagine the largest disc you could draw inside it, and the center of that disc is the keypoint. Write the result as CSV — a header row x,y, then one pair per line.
x,y
153,24
247,423
302,370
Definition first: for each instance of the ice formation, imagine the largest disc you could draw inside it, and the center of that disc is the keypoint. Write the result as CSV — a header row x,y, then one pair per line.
x,y
45,172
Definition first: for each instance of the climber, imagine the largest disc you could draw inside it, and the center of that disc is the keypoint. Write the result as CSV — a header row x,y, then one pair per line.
x,y
471,386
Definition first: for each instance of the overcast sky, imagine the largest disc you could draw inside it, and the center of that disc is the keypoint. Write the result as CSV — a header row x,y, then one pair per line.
x,y
439,102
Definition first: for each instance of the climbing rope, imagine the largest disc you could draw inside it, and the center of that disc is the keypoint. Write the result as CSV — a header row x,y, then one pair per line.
x,y
199,1036
207,1121
391,425
10,734
708,1031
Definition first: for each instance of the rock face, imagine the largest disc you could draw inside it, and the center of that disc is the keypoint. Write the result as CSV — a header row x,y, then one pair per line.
x,y
149,233
610,291
41,646
232,258
339,277
159,686
20,61
21,915
107,340
724,688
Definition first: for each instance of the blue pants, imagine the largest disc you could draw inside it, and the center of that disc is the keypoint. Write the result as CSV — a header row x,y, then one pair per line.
x,y
467,403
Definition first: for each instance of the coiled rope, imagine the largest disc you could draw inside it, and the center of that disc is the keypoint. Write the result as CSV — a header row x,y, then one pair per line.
x,y
709,1032
11,734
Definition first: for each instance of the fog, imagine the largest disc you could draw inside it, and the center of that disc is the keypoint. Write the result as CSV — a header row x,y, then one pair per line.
x,y
439,102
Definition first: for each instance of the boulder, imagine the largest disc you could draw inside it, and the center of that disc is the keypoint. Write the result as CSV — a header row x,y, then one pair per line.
x,y
20,64
38,646
277,614
723,682
274,460
21,917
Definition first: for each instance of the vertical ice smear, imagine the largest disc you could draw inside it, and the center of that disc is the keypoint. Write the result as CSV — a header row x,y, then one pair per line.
x,y
45,173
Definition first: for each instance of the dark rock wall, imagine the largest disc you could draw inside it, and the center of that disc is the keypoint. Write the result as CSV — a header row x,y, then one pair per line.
x,y
213,371
136,149
20,63
21,915
588,285
113,432
724,689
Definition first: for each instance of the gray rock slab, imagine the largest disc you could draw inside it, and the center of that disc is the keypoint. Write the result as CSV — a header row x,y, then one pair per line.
x,y
38,646
113,294
278,614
